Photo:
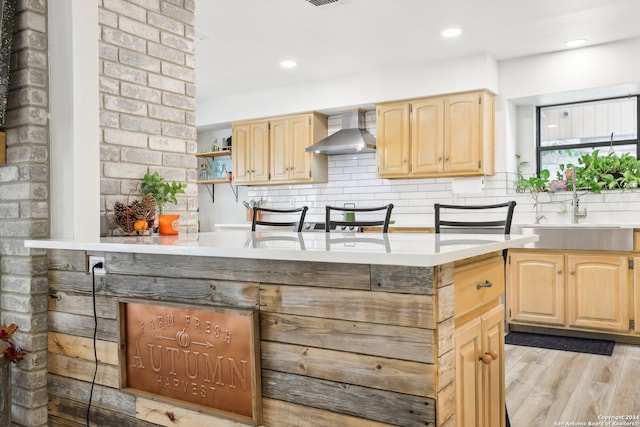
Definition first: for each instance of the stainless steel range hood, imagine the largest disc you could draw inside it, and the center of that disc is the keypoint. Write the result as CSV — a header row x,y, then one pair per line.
x,y
351,139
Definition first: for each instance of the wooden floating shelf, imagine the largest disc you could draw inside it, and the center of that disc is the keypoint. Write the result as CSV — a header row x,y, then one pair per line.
x,y
214,153
213,181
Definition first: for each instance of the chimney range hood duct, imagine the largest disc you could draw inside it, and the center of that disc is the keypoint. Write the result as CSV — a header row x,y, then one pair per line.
x,y
351,139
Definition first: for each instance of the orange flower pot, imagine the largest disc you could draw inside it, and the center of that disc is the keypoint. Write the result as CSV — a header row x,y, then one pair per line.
x,y
168,225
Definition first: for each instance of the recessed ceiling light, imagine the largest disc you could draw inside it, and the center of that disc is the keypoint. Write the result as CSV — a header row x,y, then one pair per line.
x,y
288,64
575,43
451,32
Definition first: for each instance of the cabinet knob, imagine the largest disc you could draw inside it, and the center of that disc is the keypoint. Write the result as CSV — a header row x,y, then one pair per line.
x,y
440,158
486,359
446,159
493,354
559,271
572,272
404,161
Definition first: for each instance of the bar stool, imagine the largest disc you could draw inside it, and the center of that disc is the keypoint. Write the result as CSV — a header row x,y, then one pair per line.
x,y
349,217
296,225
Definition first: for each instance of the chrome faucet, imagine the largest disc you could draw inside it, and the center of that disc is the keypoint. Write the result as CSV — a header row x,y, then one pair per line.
x,y
577,213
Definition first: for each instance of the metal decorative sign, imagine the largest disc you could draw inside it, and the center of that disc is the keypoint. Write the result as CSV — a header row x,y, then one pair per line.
x,y
207,357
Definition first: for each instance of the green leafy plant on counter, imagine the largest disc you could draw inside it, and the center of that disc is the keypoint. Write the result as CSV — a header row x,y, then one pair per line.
x,y
163,191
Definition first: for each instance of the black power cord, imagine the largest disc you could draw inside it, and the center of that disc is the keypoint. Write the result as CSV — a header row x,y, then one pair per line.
x,y
95,334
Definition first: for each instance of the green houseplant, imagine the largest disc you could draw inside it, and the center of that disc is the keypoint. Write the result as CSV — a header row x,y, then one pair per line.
x,y
534,183
164,192
596,173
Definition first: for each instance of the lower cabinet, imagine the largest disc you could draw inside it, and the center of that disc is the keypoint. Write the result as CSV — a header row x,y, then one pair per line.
x,y
479,348
571,290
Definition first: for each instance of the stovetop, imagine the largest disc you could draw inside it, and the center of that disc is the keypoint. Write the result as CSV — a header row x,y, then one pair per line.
x,y
320,226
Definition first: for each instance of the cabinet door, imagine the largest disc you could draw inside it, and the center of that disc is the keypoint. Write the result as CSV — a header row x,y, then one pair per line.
x,y
427,136
242,153
392,139
462,133
598,292
469,389
259,152
493,373
300,138
279,139
535,288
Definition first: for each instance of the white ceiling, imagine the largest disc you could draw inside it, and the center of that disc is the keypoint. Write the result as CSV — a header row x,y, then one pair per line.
x,y
241,42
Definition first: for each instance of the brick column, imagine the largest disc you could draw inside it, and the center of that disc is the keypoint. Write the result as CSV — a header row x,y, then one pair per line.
x,y
147,94
24,210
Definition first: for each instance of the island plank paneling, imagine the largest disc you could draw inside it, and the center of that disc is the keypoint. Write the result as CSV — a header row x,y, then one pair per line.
x,y
342,276
344,398
164,414
286,414
107,397
363,306
82,348
73,303
83,326
401,342
395,278
370,371
208,292
80,369
341,344
75,411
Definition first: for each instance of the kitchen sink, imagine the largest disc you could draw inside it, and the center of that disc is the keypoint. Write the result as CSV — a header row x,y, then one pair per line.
x,y
594,237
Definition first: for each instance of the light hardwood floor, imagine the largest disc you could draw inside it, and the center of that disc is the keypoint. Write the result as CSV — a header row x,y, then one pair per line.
x,y
556,388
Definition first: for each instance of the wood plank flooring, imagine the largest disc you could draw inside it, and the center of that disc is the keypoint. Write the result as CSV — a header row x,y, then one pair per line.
x,y
560,388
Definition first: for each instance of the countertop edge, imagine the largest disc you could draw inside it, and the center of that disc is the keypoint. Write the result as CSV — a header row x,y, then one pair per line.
x,y
154,246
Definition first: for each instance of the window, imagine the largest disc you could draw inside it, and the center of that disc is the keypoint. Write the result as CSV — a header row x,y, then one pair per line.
x,y
568,131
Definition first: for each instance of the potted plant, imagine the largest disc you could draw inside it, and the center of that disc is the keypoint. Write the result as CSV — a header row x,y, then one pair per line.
x,y
164,192
534,183
9,353
596,173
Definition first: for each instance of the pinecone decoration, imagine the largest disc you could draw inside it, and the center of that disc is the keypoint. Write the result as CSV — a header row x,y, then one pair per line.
x,y
137,216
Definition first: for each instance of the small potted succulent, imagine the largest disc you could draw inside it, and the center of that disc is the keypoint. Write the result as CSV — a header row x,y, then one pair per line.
x,y
164,192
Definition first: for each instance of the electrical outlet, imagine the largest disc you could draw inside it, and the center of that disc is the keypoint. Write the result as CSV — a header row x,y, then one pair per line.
x,y
292,203
93,260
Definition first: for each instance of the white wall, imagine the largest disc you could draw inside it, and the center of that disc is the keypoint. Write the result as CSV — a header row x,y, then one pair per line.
x,y
476,72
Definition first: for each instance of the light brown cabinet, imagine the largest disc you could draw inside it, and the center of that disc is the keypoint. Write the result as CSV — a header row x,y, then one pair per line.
x,y
479,342
289,137
570,290
450,135
536,288
251,152
479,350
272,151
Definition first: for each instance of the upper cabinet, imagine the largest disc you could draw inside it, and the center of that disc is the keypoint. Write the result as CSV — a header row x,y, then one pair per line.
x,y
289,138
451,135
251,152
272,151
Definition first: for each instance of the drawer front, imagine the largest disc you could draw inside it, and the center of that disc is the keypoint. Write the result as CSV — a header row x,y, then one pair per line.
x,y
478,283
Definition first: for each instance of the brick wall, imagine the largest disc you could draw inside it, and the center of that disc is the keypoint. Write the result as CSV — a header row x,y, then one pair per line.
x,y
147,99
24,210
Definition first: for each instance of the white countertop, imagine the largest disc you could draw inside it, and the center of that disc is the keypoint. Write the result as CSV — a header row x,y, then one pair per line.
x,y
418,249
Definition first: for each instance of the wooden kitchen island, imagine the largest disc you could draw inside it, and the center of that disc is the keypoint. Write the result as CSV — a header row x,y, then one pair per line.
x,y
354,329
